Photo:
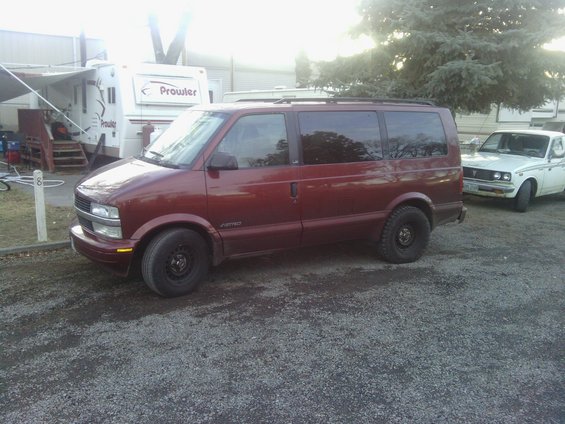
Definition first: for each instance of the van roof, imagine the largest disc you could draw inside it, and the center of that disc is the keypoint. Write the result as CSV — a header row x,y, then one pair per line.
x,y
314,102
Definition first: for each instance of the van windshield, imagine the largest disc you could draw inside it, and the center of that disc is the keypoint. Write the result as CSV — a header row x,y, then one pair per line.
x,y
183,140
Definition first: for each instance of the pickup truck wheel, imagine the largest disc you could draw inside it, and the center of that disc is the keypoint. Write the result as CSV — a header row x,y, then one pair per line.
x,y
175,262
522,199
405,235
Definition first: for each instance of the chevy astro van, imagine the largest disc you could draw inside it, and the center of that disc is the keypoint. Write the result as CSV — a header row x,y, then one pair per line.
x,y
233,180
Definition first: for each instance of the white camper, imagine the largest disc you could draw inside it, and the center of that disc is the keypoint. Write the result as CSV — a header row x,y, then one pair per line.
x,y
119,100
274,94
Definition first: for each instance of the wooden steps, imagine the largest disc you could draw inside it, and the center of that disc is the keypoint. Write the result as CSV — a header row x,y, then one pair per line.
x,y
41,149
64,154
68,154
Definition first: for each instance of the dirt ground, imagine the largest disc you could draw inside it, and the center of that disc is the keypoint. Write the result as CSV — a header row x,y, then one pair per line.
x,y
471,333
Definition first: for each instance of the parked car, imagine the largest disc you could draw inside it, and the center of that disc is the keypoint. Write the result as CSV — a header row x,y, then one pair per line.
x,y
519,165
233,180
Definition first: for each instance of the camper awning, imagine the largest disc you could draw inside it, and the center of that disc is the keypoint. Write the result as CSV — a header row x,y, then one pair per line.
x,y
34,76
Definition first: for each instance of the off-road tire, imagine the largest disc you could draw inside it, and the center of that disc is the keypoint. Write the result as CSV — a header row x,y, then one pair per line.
x,y
405,236
175,262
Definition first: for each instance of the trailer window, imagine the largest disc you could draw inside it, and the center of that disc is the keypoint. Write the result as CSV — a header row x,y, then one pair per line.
x,y
111,95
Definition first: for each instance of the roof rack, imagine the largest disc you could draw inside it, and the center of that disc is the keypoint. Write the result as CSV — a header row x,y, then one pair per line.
x,y
353,99
258,100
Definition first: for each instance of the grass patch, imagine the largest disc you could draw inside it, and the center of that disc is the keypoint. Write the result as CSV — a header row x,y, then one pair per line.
x,y
17,220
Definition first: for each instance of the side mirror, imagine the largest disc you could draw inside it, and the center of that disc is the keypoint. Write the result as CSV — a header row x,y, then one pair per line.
x,y
222,161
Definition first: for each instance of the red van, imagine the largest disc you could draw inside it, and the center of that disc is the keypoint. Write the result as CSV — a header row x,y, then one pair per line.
x,y
233,180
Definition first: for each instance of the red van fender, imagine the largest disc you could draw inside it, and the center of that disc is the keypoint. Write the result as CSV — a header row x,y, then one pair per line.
x,y
414,198
187,220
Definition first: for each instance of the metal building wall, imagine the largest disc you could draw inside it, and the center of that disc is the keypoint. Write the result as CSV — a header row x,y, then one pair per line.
x,y
225,73
40,49
21,47
240,76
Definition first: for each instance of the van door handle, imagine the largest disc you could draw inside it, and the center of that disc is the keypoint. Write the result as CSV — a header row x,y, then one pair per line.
x,y
293,190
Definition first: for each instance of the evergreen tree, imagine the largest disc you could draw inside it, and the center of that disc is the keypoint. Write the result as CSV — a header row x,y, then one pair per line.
x,y
464,54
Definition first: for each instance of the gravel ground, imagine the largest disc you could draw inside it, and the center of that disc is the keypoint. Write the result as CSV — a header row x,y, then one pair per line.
x,y
472,332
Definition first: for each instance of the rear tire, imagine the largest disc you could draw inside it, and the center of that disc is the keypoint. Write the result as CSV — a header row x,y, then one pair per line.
x,y
175,262
522,199
405,235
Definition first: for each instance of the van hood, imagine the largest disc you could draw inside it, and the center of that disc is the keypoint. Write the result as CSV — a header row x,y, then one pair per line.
x,y
498,161
120,177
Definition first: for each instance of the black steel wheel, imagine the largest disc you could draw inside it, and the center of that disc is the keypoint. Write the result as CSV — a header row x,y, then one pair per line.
x,y
175,262
405,236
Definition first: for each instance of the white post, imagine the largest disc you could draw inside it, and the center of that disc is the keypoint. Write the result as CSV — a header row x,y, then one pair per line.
x,y
39,205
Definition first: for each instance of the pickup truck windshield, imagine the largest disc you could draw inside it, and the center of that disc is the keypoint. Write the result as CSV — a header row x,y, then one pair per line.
x,y
183,140
523,144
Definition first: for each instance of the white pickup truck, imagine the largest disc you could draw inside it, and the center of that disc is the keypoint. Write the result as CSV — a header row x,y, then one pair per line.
x,y
520,165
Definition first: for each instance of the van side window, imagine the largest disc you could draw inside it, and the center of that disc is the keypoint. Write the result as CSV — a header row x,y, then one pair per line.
x,y
340,137
257,141
415,134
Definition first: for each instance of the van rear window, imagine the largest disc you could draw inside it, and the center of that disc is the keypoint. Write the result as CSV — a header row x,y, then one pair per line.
x,y
415,134
340,137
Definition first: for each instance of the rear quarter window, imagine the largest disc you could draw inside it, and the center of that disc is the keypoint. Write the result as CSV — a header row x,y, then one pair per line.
x,y
415,134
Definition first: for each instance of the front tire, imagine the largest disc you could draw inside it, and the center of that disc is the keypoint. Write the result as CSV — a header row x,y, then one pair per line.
x,y
405,235
522,199
175,262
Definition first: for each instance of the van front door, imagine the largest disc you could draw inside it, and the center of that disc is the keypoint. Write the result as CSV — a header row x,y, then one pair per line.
x,y
255,207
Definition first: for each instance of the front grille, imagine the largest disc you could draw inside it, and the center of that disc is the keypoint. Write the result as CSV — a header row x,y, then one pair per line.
x,y
85,223
82,204
478,174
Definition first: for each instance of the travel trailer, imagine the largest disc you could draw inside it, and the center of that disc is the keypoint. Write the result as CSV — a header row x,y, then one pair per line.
x,y
274,94
121,102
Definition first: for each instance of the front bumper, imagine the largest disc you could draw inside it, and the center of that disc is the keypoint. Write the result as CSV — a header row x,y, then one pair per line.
x,y
115,255
488,188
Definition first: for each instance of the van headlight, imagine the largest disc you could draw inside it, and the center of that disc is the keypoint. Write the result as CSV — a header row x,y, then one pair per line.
x,y
107,221
106,230
104,211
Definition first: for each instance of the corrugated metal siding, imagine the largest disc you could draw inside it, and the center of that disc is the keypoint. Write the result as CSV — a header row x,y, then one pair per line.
x,y
40,49
259,80
20,47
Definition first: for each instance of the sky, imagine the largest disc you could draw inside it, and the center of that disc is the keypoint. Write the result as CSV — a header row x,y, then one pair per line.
x,y
267,32
263,31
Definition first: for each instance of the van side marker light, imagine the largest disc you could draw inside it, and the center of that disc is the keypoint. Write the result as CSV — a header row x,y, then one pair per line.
x,y
125,250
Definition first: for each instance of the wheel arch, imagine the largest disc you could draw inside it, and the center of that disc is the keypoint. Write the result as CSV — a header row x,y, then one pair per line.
x,y
418,200
148,231
534,183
